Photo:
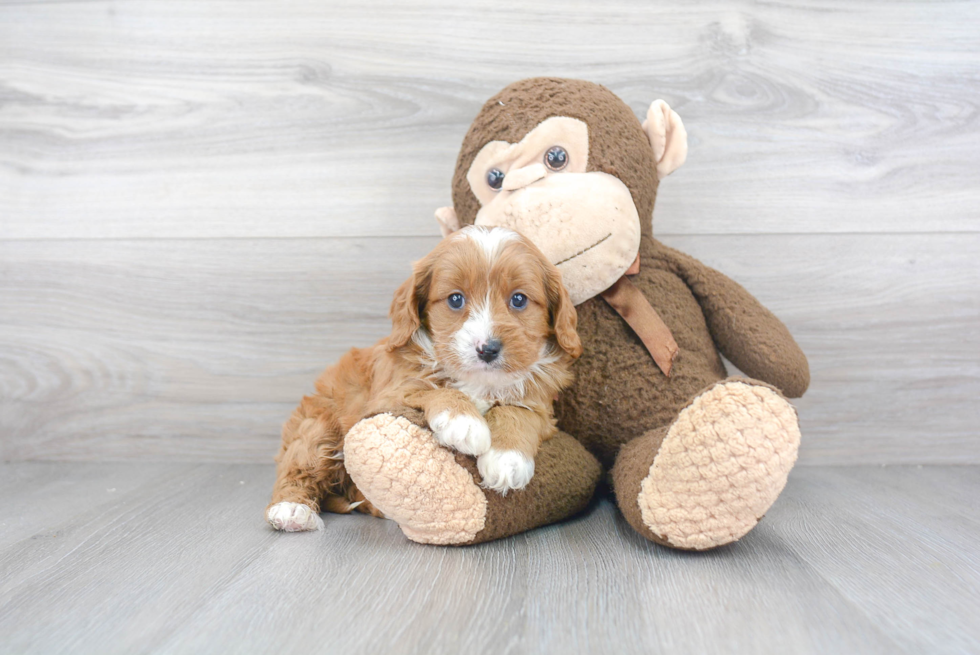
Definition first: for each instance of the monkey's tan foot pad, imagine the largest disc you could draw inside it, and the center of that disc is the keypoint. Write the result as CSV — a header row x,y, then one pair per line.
x,y
414,481
708,478
436,497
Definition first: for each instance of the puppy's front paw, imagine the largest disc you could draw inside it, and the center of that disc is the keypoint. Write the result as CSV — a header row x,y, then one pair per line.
x,y
467,434
503,470
293,517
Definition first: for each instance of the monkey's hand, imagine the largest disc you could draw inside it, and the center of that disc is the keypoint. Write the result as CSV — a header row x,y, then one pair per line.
x,y
745,331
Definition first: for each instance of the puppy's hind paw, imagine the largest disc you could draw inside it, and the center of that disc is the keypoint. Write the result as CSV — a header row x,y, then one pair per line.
x,y
503,470
293,517
469,435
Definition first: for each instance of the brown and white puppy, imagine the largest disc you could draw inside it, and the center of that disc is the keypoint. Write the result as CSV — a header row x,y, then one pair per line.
x,y
483,335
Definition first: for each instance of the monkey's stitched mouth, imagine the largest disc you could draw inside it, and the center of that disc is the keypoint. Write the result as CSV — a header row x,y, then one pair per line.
x,y
582,252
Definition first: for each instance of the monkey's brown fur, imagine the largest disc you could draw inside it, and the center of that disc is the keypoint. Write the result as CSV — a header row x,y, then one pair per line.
x,y
620,396
619,393
615,136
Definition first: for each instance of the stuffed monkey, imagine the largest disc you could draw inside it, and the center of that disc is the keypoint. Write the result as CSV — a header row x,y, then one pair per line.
x,y
695,457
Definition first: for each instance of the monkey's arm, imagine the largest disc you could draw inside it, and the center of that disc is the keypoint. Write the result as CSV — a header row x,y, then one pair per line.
x,y
745,331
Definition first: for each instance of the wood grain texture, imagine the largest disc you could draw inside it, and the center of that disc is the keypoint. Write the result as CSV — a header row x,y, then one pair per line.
x,y
198,350
193,351
291,119
44,493
928,537
849,560
203,203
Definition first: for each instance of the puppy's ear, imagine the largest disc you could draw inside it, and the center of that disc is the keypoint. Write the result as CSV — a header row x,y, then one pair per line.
x,y
409,304
564,318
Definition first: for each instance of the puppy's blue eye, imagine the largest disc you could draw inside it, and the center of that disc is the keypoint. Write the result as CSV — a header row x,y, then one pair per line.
x,y
495,179
518,301
456,300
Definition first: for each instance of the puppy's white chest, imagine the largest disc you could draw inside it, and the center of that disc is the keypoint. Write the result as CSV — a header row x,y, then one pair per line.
x,y
482,405
479,395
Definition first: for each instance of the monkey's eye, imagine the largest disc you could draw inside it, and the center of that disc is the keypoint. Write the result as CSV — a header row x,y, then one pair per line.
x,y
495,179
456,300
518,301
556,158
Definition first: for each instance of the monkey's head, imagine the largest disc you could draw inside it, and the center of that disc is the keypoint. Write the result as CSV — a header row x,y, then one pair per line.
x,y
567,164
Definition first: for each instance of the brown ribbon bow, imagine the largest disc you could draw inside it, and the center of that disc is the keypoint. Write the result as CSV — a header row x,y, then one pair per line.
x,y
630,303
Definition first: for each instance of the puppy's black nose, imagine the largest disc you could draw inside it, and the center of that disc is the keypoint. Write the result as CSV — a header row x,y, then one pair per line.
x,y
489,351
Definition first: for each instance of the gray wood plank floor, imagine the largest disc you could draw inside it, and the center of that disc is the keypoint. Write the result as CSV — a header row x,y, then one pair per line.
x,y
174,558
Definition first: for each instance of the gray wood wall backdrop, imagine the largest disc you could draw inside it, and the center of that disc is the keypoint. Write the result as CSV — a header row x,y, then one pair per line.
x,y
204,202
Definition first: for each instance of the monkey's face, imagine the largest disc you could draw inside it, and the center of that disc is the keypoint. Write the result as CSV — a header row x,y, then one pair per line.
x,y
584,222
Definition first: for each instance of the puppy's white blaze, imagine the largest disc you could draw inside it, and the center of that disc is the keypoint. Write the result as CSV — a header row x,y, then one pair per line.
x,y
489,239
467,434
476,330
503,470
293,517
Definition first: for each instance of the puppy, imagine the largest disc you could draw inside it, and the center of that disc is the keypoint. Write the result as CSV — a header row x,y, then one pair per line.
x,y
483,335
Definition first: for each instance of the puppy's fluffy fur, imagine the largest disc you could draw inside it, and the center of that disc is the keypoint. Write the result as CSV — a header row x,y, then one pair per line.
x,y
483,337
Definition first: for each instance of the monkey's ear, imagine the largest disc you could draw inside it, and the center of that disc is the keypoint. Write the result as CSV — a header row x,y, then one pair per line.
x,y
448,222
668,138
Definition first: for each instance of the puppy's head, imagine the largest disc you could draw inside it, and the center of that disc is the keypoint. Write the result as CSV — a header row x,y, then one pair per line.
x,y
489,303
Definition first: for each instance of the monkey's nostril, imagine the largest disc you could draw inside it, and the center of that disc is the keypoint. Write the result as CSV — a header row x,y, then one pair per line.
x,y
489,350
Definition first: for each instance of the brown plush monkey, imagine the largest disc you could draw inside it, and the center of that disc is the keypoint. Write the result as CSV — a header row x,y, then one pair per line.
x,y
696,457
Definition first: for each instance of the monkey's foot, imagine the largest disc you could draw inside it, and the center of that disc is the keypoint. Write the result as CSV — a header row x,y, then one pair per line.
x,y
435,494
708,478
